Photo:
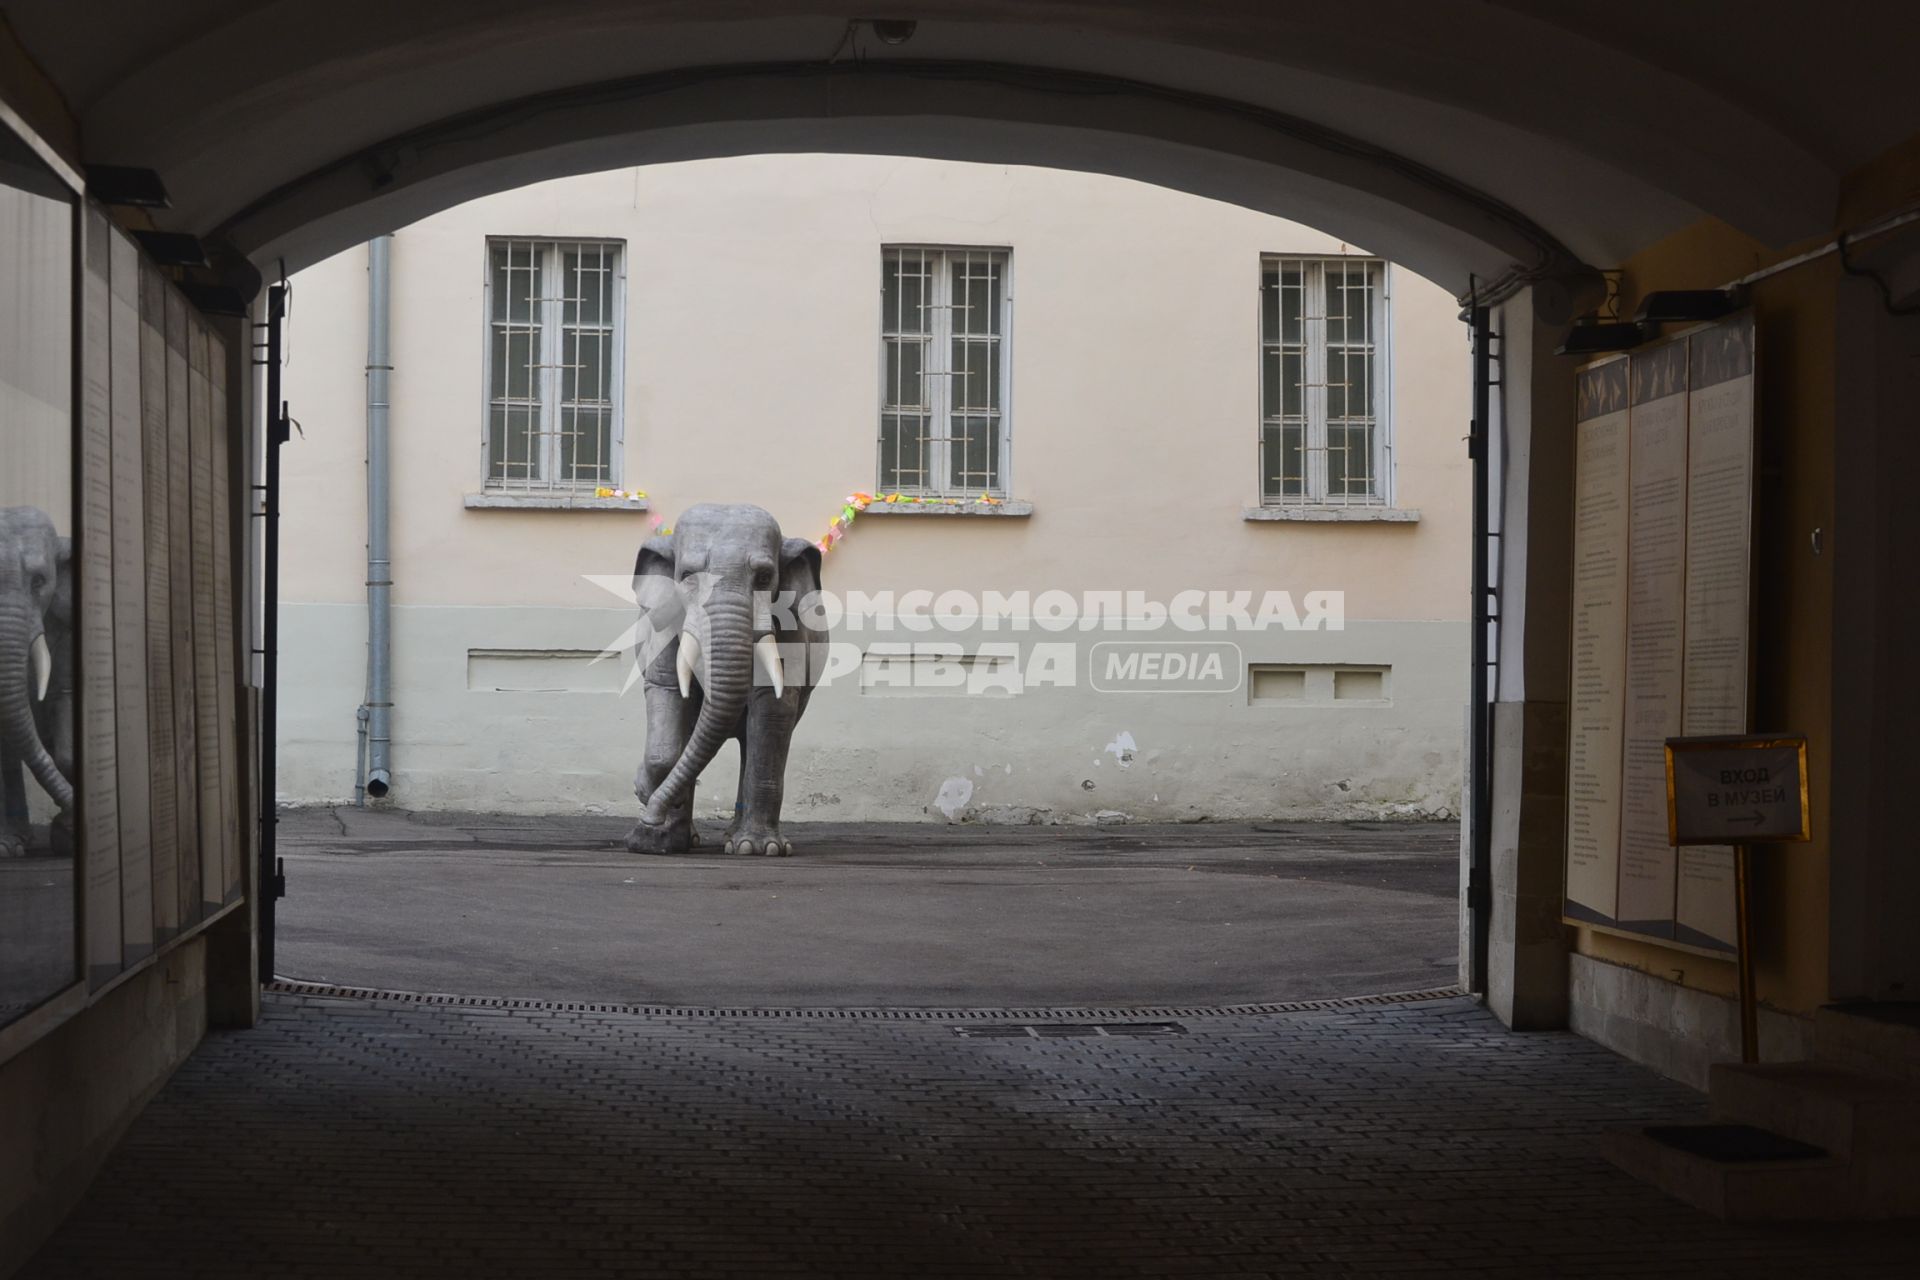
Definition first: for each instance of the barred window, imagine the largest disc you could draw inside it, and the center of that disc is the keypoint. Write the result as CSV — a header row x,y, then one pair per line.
x,y
1323,430
943,397
553,363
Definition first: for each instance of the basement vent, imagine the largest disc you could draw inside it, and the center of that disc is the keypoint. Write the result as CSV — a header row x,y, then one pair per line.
x,y
1318,685
543,671
894,670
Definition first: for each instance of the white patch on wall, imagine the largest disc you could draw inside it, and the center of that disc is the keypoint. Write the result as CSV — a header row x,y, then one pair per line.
x,y
953,797
1122,749
542,671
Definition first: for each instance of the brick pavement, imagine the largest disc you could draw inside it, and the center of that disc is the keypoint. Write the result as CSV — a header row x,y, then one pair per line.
x,y
374,1139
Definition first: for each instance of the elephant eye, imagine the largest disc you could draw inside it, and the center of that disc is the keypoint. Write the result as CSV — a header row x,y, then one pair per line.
x,y
39,582
763,577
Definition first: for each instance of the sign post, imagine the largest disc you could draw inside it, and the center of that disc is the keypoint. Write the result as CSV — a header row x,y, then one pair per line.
x,y
1742,790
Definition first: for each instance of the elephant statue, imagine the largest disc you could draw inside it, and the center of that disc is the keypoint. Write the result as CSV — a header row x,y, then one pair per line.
x,y
728,589
36,673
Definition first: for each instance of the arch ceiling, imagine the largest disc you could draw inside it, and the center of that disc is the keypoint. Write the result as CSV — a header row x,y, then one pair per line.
x,y
1464,139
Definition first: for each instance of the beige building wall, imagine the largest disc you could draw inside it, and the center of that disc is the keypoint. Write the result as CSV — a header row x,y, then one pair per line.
x,y
751,374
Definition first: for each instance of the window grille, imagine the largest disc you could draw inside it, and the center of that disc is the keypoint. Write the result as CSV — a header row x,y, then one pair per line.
x,y
1323,429
943,398
553,364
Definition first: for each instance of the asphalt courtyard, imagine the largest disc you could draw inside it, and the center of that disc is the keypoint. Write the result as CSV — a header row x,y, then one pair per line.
x,y
872,914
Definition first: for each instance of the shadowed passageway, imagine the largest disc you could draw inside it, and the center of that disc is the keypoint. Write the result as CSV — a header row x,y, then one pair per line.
x,y
350,1138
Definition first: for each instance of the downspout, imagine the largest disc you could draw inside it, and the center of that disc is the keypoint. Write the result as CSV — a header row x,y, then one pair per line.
x,y
378,710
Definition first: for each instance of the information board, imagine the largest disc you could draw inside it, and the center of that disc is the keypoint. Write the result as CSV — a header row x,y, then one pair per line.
x,y
1599,640
1660,626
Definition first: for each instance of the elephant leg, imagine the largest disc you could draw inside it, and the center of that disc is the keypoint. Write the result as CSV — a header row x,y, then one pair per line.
x,y
739,794
670,719
15,824
763,769
59,740
13,785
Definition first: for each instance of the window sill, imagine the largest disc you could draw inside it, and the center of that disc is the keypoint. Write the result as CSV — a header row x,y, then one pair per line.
x,y
559,501
1313,514
1006,509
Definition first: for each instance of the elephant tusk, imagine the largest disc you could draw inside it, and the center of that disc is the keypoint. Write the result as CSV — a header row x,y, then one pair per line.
x,y
767,651
689,658
42,667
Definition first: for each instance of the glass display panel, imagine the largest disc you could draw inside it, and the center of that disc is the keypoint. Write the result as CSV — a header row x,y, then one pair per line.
x,y
37,651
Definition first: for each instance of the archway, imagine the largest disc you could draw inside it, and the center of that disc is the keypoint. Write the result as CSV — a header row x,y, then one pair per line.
x,y
1035,806
1737,132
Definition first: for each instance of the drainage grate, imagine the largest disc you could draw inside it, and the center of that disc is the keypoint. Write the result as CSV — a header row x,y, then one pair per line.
x,y
1052,1030
1106,1017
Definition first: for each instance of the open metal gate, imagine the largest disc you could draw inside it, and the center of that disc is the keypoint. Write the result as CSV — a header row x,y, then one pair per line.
x,y
1486,617
272,874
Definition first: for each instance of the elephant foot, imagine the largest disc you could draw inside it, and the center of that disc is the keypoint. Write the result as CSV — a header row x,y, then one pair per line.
x,y
13,841
666,837
749,837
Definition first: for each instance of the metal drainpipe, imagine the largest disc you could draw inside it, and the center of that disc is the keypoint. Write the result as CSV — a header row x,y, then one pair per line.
x,y
379,707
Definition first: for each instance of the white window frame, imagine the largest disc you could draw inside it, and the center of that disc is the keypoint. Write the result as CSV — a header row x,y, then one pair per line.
x,y
1314,379
939,378
552,338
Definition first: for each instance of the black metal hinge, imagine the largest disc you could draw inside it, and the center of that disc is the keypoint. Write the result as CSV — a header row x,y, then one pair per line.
x,y
277,882
1479,892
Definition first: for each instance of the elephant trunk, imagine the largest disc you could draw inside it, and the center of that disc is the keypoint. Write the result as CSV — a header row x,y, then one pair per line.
x,y
728,655
21,635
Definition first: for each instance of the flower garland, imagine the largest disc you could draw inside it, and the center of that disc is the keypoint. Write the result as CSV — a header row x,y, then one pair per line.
x,y
837,527
858,501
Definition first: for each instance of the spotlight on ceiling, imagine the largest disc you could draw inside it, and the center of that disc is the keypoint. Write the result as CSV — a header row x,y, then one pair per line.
x,y
1676,305
1591,335
125,185
895,31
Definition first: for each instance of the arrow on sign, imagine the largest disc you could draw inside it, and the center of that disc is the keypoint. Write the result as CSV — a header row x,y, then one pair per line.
x,y
1756,819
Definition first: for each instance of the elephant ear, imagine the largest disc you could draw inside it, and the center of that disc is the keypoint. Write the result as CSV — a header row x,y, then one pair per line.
x,y
799,567
62,604
655,558
661,610
653,571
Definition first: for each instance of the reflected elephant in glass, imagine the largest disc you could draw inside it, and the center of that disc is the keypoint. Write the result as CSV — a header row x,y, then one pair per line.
x,y
731,592
36,675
